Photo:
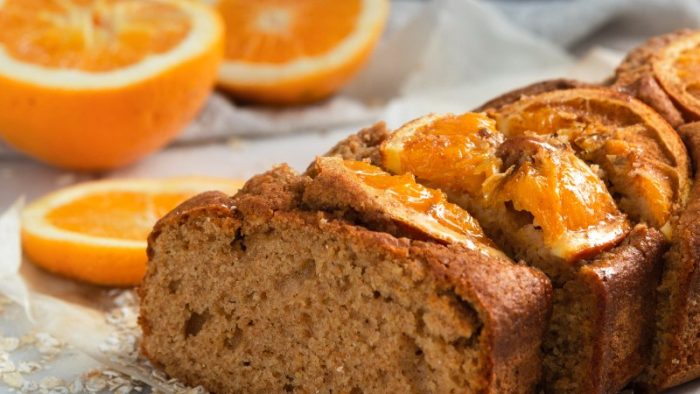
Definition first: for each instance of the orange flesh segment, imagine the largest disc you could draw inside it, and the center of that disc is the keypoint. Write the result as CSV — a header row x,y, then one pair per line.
x,y
120,215
456,150
445,218
613,147
91,36
567,200
278,31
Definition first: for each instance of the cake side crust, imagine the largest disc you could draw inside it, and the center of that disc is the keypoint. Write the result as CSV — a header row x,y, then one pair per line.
x,y
676,346
531,90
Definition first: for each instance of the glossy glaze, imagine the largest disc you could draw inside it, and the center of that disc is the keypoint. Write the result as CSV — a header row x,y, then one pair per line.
x,y
428,207
568,201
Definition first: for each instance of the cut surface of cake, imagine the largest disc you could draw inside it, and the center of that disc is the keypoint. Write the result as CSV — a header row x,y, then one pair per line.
x,y
319,283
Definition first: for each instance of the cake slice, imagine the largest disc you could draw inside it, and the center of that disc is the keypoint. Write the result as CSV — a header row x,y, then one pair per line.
x,y
676,356
546,202
320,283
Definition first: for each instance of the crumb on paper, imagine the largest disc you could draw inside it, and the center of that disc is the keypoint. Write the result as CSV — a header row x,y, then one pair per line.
x,y
51,382
7,366
47,345
28,367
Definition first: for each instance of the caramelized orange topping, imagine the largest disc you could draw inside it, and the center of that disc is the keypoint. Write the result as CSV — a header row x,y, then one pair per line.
x,y
466,154
634,159
687,67
89,35
567,200
456,150
427,208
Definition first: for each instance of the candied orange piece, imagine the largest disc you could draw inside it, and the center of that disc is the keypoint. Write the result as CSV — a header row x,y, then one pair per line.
x,y
641,156
421,207
567,200
456,150
466,154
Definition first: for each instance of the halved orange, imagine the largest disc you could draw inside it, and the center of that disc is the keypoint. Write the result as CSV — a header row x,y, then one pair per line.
x,y
296,51
95,84
96,231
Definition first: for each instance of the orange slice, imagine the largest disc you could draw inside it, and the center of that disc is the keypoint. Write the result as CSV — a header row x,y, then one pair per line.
x,y
96,231
98,84
465,154
642,157
417,206
456,150
676,66
296,51
567,200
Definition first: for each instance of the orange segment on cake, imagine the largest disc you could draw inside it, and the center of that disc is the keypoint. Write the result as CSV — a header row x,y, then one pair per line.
x,y
452,149
380,196
567,200
466,154
663,72
638,153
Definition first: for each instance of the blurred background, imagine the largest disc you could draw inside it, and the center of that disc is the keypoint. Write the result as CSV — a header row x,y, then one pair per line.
x,y
432,56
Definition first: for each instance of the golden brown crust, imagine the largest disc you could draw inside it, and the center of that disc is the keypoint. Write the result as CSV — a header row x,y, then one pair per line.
x,y
511,300
211,203
677,348
624,281
636,76
531,90
362,145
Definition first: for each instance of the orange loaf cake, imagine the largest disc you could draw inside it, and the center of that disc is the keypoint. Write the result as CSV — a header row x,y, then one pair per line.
x,y
346,279
554,175
546,242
